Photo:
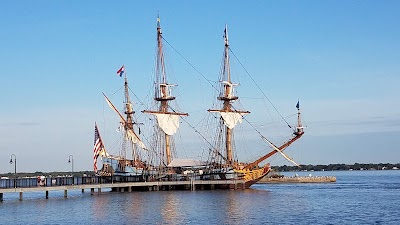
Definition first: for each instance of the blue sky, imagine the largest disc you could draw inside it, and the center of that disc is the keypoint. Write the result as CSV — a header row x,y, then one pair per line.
x,y
341,58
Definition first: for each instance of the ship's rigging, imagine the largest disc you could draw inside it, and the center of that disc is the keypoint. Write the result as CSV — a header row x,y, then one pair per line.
x,y
167,120
222,159
230,116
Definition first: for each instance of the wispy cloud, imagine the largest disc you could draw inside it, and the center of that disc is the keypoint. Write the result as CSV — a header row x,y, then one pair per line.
x,y
22,124
353,126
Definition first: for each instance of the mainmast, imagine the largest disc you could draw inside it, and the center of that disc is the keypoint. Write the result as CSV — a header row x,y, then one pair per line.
x,y
168,121
230,115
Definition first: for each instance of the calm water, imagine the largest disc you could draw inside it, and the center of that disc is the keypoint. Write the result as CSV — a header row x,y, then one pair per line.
x,y
358,197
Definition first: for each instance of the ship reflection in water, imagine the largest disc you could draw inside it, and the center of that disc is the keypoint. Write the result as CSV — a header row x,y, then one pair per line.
x,y
171,210
180,207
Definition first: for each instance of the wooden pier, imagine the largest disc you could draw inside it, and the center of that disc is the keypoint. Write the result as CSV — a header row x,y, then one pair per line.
x,y
121,186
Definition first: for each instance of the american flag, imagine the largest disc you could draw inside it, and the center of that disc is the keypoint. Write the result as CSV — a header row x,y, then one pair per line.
x,y
98,146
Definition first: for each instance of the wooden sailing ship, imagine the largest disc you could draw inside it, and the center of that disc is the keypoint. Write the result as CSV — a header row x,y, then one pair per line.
x,y
161,163
229,117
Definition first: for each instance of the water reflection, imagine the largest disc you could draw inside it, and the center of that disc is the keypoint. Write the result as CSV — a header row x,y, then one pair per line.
x,y
171,208
366,198
137,204
100,206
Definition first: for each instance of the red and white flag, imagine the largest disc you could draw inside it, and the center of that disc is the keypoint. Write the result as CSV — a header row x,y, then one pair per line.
x,y
121,71
98,146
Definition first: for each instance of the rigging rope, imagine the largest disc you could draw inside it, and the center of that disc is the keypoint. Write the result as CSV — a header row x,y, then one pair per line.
x,y
195,130
259,88
212,85
262,136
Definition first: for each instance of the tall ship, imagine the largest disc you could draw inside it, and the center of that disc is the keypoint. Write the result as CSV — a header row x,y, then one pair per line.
x,y
229,116
155,160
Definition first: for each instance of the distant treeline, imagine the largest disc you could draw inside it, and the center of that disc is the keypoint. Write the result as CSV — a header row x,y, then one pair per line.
x,y
356,166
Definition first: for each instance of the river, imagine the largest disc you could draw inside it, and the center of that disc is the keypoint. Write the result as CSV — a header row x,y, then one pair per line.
x,y
358,197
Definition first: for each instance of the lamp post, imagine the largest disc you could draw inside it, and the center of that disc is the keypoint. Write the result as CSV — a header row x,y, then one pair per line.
x,y
15,168
71,160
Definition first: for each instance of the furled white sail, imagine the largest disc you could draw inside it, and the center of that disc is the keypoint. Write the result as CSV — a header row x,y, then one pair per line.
x,y
280,151
231,119
133,137
169,123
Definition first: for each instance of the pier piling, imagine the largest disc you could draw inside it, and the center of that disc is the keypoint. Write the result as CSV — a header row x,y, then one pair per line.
x,y
20,196
47,194
65,193
1,197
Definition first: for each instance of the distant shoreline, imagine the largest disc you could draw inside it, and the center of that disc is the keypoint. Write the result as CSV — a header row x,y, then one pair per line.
x,y
305,168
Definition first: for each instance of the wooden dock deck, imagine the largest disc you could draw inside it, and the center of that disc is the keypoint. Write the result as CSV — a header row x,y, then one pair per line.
x,y
80,183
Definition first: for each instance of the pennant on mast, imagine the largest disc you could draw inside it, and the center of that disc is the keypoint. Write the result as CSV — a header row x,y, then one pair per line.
x,y
121,71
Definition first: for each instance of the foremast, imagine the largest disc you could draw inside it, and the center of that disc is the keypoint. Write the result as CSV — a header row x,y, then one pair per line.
x,y
167,120
127,122
228,113
129,125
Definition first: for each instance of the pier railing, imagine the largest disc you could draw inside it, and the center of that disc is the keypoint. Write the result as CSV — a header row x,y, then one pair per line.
x,y
57,181
41,181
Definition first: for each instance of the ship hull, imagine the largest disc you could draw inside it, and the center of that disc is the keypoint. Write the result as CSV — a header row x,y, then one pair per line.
x,y
251,182
254,175
249,176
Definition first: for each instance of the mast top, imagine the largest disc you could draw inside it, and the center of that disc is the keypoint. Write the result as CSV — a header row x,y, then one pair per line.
x,y
298,105
158,23
226,36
